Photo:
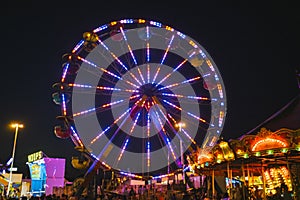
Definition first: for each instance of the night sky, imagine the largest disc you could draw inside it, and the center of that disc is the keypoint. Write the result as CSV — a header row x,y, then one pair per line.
x,y
255,47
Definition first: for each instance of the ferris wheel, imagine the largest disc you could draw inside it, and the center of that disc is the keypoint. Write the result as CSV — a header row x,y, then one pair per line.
x,y
138,95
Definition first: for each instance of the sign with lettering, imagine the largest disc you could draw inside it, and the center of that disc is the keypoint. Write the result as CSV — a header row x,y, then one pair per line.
x,y
35,156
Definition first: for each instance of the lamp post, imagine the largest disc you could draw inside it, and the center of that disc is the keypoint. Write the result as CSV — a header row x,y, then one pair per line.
x,y
180,125
16,126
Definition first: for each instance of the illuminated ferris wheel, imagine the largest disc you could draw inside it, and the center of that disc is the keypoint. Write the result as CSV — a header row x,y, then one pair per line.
x,y
138,95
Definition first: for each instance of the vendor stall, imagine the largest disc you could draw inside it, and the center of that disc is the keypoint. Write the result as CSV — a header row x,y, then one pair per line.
x,y
46,173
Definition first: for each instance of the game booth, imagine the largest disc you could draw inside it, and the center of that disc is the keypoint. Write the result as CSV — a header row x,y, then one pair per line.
x,y
46,173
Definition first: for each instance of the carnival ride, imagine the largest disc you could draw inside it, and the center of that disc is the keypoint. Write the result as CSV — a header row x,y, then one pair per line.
x,y
136,96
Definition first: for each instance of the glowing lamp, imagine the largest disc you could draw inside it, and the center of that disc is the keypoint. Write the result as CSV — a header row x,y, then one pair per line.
x,y
239,151
180,125
270,151
219,157
258,154
231,156
246,155
284,150
16,125
141,21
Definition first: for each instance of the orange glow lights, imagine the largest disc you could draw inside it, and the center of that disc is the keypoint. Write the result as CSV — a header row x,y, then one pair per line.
x,y
268,143
141,21
169,28
17,125
113,23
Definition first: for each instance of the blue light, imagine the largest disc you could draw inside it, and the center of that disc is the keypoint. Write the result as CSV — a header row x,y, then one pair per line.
x,y
181,35
202,54
127,21
78,45
100,28
156,24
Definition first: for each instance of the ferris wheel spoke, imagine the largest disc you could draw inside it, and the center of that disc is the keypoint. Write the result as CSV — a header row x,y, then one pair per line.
x,y
116,89
134,124
186,112
186,96
84,112
147,31
112,54
148,141
107,72
167,50
100,68
180,83
128,46
127,137
165,137
141,75
182,130
110,126
148,73
120,62
135,78
112,74
123,149
101,88
87,88
188,136
157,111
98,109
127,114
115,133
141,100
174,70
155,76
163,59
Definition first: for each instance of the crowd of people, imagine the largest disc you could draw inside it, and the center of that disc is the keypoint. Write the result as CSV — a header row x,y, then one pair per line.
x,y
165,192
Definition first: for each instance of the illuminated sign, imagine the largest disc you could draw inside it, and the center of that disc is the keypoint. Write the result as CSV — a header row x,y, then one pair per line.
x,y
35,171
35,156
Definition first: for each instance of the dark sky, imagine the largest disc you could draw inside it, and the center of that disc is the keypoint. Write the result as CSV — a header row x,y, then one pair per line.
x,y
255,47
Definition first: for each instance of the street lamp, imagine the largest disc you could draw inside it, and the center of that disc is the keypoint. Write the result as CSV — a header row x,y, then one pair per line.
x,y
16,126
180,125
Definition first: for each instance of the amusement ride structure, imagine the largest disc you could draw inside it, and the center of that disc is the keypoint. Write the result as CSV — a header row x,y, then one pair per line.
x,y
136,96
